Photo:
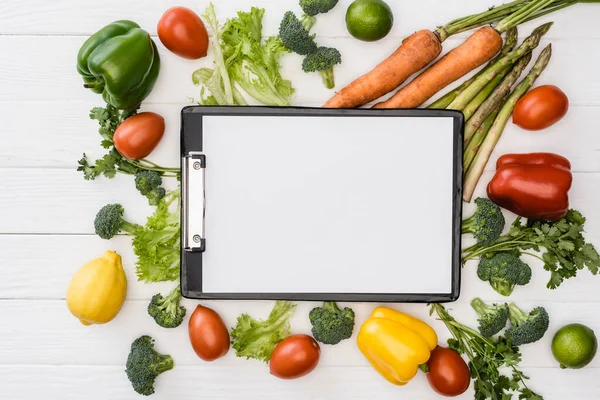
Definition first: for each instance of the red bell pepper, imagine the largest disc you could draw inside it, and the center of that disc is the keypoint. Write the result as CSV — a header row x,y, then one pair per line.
x,y
532,185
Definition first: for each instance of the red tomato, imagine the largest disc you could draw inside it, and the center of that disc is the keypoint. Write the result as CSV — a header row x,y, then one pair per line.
x,y
137,136
182,32
540,108
294,356
448,373
208,334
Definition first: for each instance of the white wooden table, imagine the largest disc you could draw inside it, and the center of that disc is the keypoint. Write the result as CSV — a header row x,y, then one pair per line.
x,y
47,209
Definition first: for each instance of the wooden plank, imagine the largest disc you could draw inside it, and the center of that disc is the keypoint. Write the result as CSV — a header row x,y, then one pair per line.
x,y
55,138
212,382
21,56
55,17
55,337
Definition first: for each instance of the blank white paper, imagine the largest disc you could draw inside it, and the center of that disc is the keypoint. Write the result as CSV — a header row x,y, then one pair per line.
x,y
328,204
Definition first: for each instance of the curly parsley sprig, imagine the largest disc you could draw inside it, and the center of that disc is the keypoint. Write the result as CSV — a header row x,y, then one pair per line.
x,y
109,118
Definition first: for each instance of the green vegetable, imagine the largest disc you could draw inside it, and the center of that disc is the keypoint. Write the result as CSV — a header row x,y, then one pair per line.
x,y
144,364
504,271
120,61
487,358
565,250
314,7
252,338
155,244
243,57
526,328
109,118
487,223
492,319
166,311
148,183
330,324
322,60
294,34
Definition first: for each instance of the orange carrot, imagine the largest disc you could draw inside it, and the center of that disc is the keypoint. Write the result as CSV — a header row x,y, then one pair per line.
x,y
479,48
416,51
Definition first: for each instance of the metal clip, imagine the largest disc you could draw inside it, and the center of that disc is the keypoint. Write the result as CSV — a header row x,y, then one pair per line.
x,y
194,201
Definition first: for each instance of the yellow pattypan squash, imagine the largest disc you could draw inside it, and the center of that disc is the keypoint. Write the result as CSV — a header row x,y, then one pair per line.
x,y
98,289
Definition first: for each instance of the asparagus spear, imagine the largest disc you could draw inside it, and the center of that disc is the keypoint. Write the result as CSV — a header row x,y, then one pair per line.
x,y
461,101
471,150
491,139
509,44
495,98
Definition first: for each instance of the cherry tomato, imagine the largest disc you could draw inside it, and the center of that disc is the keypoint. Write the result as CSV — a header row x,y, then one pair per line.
x,y
540,108
138,135
448,373
182,32
208,334
294,356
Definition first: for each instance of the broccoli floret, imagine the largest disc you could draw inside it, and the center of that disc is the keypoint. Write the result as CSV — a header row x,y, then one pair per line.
x,y
144,364
322,60
504,271
330,324
109,221
526,328
294,34
148,183
487,224
492,319
314,7
166,311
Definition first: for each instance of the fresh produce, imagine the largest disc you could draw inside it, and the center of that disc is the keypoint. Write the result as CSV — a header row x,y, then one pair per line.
x,y
470,151
155,244
109,118
144,364
491,97
182,32
97,290
395,344
486,224
574,346
492,319
322,61
121,62
252,338
331,324
294,34
533,185
369,20
512,36
447,373
314,7
242,57
423,47
526,327
540,108
148,183
504,271
565,250
294,357
475,171
137,136
166,311
208,334
487,358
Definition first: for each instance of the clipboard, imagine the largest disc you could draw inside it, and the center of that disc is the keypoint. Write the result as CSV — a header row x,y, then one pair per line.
x,y
321,204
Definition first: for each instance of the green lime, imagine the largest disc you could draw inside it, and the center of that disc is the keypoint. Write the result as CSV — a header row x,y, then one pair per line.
x,y
369,20
574,346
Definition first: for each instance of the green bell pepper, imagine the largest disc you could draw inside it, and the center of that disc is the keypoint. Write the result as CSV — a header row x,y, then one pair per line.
x,y
120,61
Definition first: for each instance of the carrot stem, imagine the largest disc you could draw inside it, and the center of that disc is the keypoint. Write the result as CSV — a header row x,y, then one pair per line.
x,y
493,97
495,132
522,14
461,101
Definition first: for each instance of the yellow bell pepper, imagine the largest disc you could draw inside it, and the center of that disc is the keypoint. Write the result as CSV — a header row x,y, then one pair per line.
x,y
395,344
